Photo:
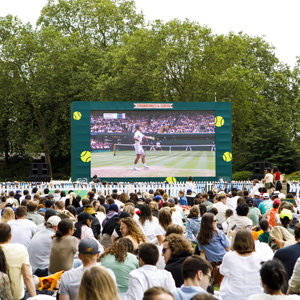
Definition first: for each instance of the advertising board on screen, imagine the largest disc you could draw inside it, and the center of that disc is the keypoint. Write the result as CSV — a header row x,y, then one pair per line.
x,y
147,142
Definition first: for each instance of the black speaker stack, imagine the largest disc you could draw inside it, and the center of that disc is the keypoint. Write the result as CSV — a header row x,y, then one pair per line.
x,y
39,172
259,170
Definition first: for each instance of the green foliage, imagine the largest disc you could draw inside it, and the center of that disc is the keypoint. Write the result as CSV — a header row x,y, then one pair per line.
x,y
101,50
241,176
295,176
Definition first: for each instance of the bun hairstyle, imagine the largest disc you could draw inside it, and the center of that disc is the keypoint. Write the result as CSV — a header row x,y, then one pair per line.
x,y
273,274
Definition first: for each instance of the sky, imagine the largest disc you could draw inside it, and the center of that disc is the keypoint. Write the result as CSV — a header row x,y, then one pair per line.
x,y
276,20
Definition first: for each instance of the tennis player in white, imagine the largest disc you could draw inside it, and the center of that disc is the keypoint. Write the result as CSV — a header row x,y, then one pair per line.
x,y
138,138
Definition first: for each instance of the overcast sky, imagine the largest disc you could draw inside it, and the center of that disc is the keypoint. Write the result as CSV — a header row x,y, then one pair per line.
x,y
278,21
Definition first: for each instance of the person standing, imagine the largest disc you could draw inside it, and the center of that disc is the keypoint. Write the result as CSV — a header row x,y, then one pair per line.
x,y
138,138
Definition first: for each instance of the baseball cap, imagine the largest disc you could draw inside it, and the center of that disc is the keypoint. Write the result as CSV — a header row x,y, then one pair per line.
x,y
158,197
276,201
189,191
49,213
249,201
286,213
9,201
276,193
88,246
123,214
266,196
84,216
54,220
113,207
294,221
281,196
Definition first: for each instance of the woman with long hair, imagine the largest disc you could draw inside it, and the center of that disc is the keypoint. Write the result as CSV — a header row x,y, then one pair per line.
x,y
164,219
132,231
63,247
97,284
281,237
147,222
120,258
240,269
5,289
193,223
211,240
273,278
8,214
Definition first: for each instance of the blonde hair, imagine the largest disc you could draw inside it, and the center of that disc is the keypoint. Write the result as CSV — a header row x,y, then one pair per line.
x,y
8,214
97,284
72,197
281,234
130,209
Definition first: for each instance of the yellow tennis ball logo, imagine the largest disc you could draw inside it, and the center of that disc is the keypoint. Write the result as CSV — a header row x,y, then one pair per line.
x,y
85,156
219,121
171,180
76,115
227,156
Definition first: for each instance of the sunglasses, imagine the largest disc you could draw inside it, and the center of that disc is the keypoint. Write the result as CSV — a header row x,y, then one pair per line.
x,y
164,250
211,279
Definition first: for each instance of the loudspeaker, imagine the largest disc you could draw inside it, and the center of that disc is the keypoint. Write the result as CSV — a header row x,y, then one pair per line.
x,y
39,172
259,167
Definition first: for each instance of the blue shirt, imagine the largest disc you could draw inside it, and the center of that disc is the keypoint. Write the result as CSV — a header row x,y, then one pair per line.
x,y
215,250
187,292
183,201
256,201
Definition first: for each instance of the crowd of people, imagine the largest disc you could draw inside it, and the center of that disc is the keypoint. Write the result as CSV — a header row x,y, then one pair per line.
x,y
149,246
156,122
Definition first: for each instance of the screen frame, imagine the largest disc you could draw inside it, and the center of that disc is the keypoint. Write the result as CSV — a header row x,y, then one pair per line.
x,y
80,136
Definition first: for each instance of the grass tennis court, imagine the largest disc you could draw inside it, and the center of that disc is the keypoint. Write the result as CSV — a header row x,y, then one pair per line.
x,y
161,164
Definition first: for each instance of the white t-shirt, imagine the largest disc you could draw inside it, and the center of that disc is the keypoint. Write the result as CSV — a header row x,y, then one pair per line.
x,y
159,230
138,135
273,297
22,231
149,228
241,276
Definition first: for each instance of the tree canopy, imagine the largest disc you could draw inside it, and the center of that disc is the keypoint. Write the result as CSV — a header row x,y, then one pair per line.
x,y
103,50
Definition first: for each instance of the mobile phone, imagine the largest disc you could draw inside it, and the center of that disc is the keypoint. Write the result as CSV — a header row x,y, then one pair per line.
x,y
233,227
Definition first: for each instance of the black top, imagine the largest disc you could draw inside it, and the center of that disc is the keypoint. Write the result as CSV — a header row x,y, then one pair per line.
x,y
174,266
288,256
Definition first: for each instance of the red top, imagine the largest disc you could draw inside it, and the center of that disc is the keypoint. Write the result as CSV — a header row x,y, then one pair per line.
x,y
277,176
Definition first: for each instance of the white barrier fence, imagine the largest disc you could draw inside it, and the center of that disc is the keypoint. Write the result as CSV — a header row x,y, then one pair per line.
x,y
170,189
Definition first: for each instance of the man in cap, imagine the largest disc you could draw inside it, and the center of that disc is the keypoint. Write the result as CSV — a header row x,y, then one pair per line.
x,y
256,199
48,213
39,247
266,204
70,280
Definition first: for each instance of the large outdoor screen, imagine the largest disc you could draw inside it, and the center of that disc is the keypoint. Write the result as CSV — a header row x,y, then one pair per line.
x,y
180,143
149,142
